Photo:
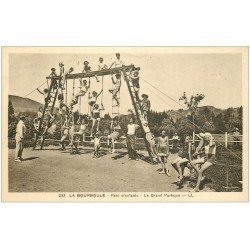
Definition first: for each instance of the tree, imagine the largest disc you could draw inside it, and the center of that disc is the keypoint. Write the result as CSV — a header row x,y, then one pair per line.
x,y
192,103
12,121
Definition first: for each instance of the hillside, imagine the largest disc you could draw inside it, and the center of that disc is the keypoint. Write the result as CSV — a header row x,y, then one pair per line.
x,y
22,104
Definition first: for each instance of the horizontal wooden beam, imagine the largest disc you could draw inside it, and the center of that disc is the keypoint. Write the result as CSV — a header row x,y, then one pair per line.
x,y
103,72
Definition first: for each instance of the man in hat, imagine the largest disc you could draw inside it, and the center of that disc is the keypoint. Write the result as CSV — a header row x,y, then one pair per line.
x,y
145,104
118,62
20,132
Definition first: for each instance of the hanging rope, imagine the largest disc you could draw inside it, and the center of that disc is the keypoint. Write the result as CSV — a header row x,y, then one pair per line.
x,y
36,88
89,108
73,93
80,97
66,90
191,121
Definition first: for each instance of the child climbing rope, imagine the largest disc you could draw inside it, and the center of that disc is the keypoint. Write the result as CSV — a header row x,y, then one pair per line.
x,y
116,130
84,87
93,99
96,117
163,152
117,86
118,62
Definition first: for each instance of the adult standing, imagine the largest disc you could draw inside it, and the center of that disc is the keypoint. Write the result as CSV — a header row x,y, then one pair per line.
x,y
236,138
20,132
132,127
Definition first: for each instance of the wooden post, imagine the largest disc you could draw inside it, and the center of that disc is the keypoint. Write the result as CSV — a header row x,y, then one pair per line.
x,y
225,139
193,136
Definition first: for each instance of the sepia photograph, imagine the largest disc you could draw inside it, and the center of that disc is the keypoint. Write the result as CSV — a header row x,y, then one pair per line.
x,y
121,124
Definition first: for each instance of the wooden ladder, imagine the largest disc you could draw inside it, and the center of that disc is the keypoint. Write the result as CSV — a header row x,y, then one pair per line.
x,y
47,108
138,111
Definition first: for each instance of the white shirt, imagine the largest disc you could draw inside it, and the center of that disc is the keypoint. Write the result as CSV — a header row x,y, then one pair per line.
x,y
102,66
20,130
146,129
118,63
132,128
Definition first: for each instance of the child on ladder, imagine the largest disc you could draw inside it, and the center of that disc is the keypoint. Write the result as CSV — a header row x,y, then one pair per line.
x,y
117,86
145,105
134,78
53,76
45,93
96,117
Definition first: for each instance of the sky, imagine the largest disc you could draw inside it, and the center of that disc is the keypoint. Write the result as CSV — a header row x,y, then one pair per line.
x,y
217,76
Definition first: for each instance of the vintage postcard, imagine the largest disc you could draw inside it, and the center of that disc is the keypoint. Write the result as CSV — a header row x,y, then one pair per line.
x,y
125,124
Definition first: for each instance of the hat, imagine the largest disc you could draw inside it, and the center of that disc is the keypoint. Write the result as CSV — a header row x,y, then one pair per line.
x,y
53,69
117,54
85,62
71,68
85,81
61,64
94,92
144,95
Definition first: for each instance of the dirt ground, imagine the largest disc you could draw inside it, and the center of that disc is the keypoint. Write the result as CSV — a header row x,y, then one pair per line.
x,y
52,170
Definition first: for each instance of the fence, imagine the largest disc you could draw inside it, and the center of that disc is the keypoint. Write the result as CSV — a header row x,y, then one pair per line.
x,y
225,139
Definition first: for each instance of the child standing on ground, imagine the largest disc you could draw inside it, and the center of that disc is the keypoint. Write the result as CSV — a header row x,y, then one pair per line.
x,y
97,145
114,135
163,152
